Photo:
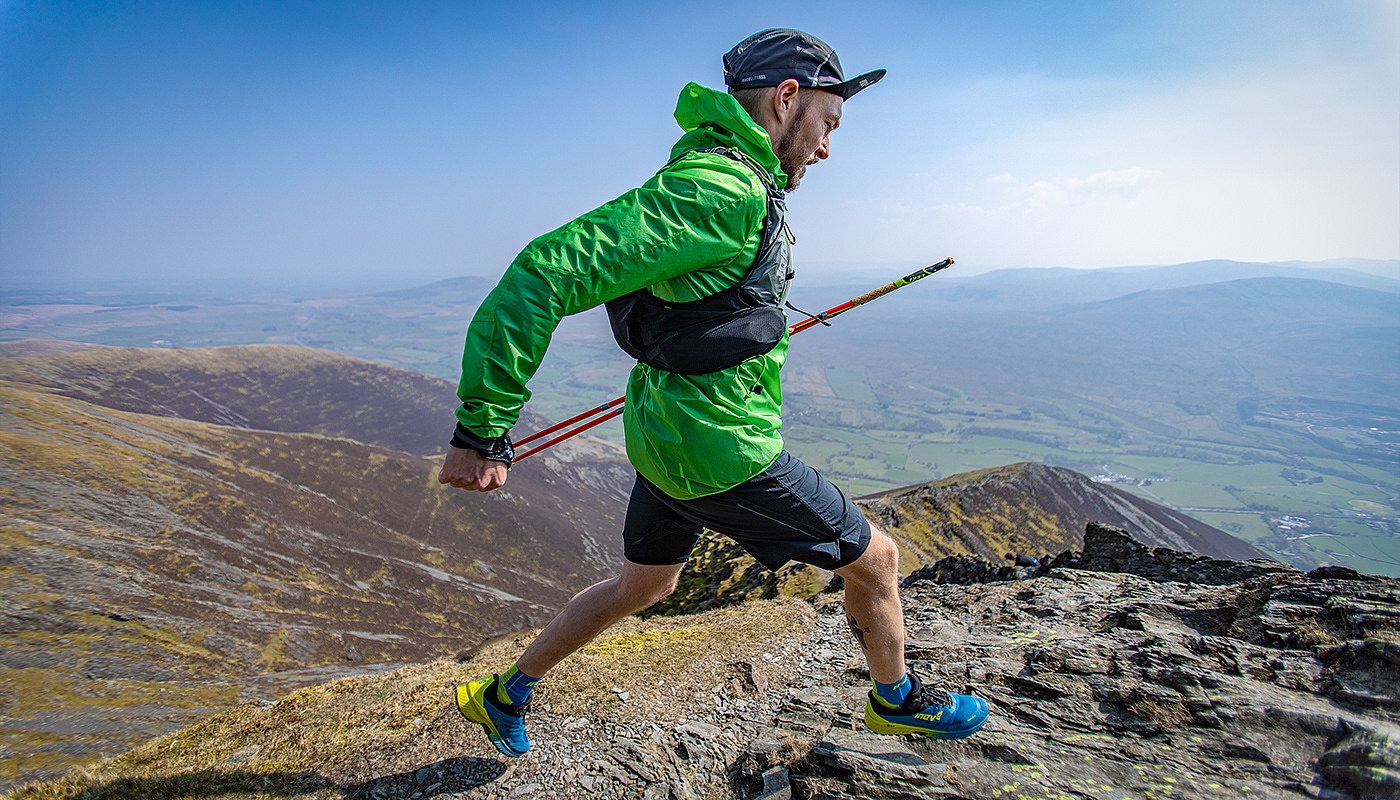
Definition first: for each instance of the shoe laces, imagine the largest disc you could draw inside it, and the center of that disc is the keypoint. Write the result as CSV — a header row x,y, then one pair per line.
x,y
931,696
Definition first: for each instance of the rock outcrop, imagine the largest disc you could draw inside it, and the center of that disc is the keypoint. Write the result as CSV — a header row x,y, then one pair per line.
x,y
1109,549
1255,681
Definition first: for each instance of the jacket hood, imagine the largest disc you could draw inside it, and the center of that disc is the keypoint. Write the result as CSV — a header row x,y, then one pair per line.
x,y
710,118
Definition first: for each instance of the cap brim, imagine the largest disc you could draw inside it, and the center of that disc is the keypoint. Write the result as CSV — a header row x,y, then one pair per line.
x,y
850,87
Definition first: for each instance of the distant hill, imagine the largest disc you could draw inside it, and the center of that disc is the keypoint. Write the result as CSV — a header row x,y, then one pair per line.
x,y
1079,286
1039,287
24,348
219,541
1213,344
1023,509
266,387
469,288
1034,509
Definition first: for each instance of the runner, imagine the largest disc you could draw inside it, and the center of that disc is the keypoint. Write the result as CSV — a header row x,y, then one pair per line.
x,y
694,268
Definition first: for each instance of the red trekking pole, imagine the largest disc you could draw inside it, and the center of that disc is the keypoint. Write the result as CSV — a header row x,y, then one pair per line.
x,y
614,407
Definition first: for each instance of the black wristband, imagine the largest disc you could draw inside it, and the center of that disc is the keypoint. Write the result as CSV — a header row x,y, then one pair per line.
x,y
496,449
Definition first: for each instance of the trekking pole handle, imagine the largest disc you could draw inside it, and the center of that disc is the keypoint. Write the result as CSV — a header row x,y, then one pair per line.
x,y
905,281
871,295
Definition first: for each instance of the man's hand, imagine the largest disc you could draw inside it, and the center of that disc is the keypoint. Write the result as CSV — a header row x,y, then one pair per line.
x,y
467,469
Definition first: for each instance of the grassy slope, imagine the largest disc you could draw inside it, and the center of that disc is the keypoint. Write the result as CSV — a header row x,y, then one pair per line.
x,y
145,559
268,387
320,741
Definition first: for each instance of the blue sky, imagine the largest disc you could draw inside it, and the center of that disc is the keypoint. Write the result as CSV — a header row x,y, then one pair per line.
x,y
398,143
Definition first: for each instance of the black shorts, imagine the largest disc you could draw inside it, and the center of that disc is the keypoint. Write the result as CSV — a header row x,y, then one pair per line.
x,y
785,513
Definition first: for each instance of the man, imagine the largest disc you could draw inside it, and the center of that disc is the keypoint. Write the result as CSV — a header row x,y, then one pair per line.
x,y
693,266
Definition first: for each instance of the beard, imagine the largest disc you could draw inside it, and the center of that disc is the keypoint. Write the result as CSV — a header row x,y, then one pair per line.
x,y
793,154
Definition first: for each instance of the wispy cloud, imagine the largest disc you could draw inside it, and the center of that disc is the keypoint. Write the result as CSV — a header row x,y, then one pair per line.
x,y
1110,185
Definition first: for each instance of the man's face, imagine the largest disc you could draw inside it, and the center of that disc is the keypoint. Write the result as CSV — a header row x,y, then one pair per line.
x,y
806,139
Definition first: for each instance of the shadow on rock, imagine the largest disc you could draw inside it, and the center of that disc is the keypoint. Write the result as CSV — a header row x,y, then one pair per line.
x,y
448,776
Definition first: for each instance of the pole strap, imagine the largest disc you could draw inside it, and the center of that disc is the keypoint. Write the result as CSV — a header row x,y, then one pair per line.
x,y
818,317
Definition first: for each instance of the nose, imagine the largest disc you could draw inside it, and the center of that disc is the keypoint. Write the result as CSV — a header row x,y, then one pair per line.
x,y
824,149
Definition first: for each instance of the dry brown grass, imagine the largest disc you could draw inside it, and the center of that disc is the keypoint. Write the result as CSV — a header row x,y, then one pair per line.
x,y
316,741
1165,714
664,662
794,749
1310,633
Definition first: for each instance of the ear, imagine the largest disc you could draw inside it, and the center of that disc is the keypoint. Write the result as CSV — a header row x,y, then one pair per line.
x,y
784,100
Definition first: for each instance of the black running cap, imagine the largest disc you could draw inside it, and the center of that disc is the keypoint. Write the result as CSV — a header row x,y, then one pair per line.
x,y
770,57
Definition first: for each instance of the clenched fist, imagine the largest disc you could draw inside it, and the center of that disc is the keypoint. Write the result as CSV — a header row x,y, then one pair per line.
x,y
467,469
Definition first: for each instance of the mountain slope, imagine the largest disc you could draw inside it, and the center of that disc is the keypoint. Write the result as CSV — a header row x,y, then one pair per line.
x,y
1033,509
1023,509
269,387
138,550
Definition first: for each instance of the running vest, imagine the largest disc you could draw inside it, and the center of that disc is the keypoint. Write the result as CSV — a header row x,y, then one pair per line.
x,y
729,326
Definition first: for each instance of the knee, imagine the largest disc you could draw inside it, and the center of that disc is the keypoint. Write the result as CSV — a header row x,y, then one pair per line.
x,y
643,594
878,566
663,590
884,554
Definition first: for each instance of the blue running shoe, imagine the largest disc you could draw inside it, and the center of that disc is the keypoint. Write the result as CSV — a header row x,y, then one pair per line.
x,y
503,722
931,712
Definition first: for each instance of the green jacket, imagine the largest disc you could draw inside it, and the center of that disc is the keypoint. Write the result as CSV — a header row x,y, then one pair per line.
x,y
690,231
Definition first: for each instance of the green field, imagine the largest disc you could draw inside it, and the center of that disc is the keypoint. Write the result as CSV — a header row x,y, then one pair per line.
x,y
1307,511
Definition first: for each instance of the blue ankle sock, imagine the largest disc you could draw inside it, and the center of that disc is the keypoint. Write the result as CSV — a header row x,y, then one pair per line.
x,y
515,686
893,694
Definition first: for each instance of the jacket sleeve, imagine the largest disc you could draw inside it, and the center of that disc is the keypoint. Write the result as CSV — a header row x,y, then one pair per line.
x,y
699,213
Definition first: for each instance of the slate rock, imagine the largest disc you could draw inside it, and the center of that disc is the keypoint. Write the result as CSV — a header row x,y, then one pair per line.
x,y
1366,762
1134,678
1109,549
776,785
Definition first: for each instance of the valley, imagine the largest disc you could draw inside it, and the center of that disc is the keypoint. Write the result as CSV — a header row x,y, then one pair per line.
x,y
1259,398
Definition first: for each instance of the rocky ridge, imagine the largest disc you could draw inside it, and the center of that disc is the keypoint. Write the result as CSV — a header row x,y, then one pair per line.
x,y
1033,509
1251,680
1111,683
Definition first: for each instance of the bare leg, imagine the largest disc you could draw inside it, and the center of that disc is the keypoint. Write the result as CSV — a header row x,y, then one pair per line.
x,y
873,608
596,609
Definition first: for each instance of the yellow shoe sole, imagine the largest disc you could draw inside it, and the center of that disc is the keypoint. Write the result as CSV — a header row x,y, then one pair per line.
x,y
470,707
470,698
880,725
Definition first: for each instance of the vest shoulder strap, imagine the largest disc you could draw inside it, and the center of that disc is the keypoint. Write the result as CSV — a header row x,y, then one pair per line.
x,y
766,177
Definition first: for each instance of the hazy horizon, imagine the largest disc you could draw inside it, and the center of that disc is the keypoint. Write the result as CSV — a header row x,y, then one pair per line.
x,y
370,144
810,276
